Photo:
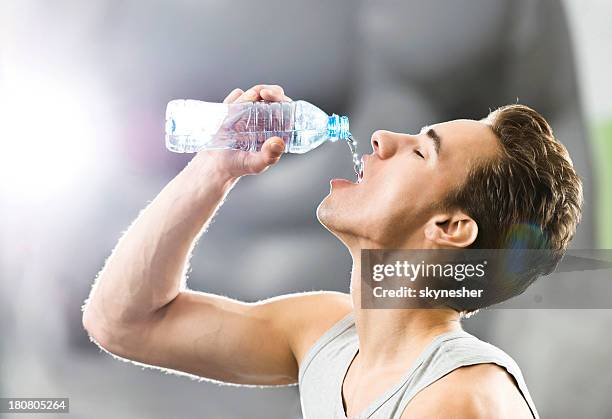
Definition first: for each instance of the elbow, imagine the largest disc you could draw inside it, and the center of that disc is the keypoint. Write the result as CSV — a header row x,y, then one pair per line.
x,y
87,320
109,337
95,328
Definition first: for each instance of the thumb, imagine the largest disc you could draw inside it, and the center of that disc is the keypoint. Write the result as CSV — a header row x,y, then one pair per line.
x,y
271,152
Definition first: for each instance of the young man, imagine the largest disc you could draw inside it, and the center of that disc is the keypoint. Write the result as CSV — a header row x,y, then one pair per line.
x,y
455,185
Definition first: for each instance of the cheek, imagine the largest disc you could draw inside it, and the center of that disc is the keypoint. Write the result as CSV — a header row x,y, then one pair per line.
x,y
400,205
398,195
383,209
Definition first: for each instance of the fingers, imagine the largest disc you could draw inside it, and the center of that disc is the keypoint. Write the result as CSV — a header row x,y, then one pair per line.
x,y
268,92
234,94
273,94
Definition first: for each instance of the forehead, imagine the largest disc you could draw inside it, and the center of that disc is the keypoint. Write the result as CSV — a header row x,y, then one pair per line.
x,y
467,136
463,143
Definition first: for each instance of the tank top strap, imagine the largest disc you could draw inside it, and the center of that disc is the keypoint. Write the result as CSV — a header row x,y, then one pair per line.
x,y
340,327
456,350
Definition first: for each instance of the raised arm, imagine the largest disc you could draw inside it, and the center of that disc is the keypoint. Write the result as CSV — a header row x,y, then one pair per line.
x,y
140,309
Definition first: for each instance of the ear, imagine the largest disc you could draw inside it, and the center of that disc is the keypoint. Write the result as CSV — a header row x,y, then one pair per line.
x,y
455,229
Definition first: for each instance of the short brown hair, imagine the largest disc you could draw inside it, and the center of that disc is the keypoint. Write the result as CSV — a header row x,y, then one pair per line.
x,y
529,196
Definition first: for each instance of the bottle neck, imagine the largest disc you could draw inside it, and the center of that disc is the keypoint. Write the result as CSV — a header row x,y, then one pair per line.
x,y
338,127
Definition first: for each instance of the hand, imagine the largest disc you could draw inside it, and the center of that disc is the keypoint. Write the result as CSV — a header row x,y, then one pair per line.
x,y
236,163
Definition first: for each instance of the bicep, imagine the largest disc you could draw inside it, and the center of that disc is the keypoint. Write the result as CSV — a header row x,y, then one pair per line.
x,y
216,338
231,341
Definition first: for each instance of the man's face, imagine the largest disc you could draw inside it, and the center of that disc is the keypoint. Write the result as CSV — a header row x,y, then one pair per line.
x,y
404,178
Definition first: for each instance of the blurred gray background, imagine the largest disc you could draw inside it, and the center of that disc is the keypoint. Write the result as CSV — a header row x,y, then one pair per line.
x,y
83,89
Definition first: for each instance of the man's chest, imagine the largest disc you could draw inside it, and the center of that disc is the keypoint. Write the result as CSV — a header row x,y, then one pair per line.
x,y
360,392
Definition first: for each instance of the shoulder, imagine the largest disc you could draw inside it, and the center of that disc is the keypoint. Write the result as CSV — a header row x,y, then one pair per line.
x,y
474,392
305,317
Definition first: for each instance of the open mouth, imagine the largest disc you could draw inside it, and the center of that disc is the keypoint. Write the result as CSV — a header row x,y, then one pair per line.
x,y
359,170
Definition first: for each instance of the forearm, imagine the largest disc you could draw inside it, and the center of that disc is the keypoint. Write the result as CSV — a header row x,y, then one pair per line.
x,y
147,267
144,274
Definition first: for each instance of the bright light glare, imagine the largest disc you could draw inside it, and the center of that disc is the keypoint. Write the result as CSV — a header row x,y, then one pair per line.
x,y
47,138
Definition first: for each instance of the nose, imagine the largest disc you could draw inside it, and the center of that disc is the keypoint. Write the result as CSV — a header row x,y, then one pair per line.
x,y
384,143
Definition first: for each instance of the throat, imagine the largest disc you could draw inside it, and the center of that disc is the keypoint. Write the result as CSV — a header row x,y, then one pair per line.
x,y
386,335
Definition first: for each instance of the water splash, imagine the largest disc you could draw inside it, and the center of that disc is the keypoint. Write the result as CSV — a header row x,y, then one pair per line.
x,y
357,162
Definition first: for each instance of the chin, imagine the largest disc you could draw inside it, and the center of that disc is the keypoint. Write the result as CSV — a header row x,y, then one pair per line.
x,y
325,213
331,215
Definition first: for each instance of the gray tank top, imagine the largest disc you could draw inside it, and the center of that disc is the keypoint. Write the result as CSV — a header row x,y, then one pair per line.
x,y
324,367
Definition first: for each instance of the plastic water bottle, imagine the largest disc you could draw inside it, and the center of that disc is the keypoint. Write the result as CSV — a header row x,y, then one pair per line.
x,y
193,125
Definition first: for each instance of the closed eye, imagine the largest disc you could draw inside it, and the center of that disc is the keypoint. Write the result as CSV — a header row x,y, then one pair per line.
x,y
418,153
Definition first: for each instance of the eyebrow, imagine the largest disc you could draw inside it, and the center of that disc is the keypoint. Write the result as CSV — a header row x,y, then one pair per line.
x,y
431,133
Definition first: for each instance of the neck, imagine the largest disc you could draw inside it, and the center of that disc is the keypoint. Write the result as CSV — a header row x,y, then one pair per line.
x,y
386,335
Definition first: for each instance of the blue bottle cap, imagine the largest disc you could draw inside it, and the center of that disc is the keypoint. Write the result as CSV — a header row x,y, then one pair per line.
x,y
338,127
